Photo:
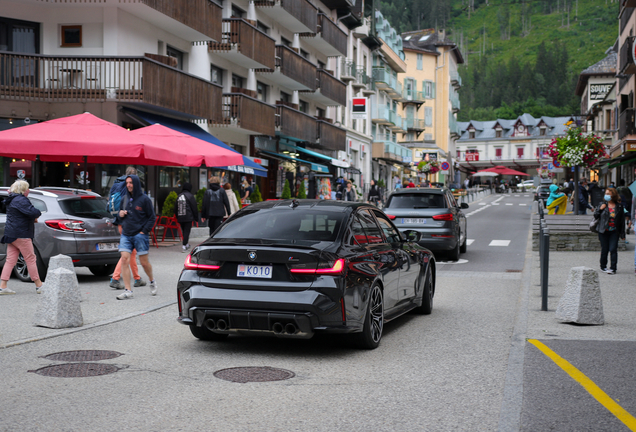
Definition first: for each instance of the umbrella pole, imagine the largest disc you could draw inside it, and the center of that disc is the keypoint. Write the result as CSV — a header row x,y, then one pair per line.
x,y
85,172
576,190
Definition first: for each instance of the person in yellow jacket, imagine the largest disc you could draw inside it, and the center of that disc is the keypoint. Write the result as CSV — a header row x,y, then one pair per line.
x,y
557,201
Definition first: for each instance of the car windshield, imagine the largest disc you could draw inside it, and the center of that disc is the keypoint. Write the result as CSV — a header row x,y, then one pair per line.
x,y
284,224
85,207
416,200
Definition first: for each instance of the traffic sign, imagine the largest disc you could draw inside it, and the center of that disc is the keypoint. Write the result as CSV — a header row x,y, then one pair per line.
x,y
445,166
556,163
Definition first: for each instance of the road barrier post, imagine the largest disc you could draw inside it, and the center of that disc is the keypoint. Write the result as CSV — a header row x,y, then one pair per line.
x,y
545,268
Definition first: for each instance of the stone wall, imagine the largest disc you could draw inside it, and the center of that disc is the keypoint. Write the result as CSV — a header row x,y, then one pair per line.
x,y
573,241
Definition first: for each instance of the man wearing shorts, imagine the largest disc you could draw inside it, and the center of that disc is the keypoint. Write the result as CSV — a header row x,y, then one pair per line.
x,y
137,219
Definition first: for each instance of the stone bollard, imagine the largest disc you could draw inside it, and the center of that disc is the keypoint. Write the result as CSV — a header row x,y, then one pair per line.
x,y
65,262
581,302
59,303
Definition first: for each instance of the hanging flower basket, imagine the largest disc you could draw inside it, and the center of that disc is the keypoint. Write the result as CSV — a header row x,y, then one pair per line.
x,y
576,149
428,167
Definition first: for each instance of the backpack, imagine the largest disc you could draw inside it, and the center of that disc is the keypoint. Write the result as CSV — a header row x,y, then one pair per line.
x,y
117,192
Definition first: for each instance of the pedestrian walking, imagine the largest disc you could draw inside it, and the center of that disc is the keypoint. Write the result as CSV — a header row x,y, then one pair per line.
x,y
374,194
349,194
611,227
18,235
231,197
187,212
115,281
215,205
584,197
137,219
557,201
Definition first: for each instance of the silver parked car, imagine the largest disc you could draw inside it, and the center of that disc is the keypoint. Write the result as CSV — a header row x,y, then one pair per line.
x,y
74,223
435,214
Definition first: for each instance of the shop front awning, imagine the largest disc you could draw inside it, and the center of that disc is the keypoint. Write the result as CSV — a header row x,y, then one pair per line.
x,y
314,166
248,166
328,159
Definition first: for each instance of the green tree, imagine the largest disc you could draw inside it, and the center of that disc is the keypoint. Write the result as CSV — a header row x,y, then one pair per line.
x,y
169,204
256,195
301,191
286,191
199,198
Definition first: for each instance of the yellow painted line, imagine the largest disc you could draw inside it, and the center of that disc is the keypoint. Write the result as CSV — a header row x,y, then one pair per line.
x,y
596,392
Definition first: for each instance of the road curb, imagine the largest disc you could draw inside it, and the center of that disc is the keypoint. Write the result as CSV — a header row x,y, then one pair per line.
x,y
88,326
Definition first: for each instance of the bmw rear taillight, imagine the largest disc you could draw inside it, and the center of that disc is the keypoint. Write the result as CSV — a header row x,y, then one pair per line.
x,y
189,265
391,216
444,217
179,302
66,225
326,268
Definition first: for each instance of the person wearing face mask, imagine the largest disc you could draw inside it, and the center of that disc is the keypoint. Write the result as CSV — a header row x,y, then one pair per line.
x,y
611,227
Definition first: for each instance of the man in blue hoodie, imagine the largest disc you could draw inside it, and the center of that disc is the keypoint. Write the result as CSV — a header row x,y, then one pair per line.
x,y
137,218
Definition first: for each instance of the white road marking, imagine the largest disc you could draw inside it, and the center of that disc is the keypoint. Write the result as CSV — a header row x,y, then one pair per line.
x,y
460,261
469,242
517,196
524,204
495,203
499,243
526,196
482,204
509,204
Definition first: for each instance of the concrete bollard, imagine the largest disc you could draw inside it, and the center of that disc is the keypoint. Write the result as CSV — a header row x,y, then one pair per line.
x,y
65,262
59,303
581,302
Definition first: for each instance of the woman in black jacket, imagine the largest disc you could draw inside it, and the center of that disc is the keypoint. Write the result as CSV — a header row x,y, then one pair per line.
x,y
18,234
610,227
187,212
374,194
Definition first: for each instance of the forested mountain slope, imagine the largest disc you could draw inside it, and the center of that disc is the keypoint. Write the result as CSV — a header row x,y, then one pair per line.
x,y
520,55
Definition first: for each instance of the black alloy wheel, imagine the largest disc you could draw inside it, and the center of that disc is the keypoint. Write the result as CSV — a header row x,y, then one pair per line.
x,y
102,270
374,320
203,333
454,254
21,271
427,294
464,245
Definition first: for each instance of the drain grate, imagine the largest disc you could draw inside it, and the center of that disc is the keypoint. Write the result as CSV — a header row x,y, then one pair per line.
x,y
83,355
253,374
513,271
76,370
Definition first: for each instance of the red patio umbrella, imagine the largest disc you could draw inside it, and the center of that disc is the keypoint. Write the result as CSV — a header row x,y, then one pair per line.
x,y
161,138
502,170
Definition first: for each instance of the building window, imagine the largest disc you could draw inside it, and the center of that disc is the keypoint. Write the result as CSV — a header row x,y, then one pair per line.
x,y
542,131
285,97
498,133
262,27
320,112
175,53
237,12
216,75
471,134
354,124
519,152
285,42
72,36
420,62
261,91
237,81
321,65
19,36
304,53
498,152
303,106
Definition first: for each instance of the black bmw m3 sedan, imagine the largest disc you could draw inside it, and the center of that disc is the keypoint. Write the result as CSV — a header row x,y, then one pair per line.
x,y
294,268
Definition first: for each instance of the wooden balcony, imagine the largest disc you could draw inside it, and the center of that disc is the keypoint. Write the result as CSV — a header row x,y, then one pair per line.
x,y
193,20
296,125
292,70
55,79
298,16
245,45
248,115
627,65
331,137
329,39
330,91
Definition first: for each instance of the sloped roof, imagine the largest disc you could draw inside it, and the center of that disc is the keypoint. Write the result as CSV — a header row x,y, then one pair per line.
x,y
605,67
427,40
485,130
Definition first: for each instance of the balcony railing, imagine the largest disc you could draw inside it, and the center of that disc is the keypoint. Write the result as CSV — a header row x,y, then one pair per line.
x,y
332,88
626,14
398,123
332,137
105,79
295,124
329,39
391,151
456,80
413,96
626,124
453,126
386,81
415,124
454,100
299,16
203,16
348,70
380,114
627,65
248,46
249,114
297,72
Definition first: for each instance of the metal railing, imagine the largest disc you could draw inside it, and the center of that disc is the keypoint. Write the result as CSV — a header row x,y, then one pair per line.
x,y
544,254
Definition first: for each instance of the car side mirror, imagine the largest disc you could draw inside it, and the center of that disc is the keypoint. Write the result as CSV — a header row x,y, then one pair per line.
x,y
463,205
413,236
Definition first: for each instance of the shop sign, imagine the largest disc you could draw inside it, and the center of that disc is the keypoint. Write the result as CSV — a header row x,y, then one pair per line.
x,y
599,91
472,157
359,108
630,147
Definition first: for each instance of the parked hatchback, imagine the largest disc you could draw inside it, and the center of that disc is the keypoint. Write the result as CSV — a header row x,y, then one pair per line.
x,y
74,223
433,213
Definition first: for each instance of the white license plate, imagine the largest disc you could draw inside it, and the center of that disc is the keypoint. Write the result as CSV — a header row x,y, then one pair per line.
x,y
256,271
413,221
107,246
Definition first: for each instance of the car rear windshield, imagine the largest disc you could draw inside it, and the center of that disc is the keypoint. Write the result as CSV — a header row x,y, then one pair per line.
x,y
283,224
416,200
85,207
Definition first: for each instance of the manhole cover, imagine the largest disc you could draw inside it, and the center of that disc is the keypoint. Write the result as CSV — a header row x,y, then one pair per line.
x,y
76,370
83,355
253,374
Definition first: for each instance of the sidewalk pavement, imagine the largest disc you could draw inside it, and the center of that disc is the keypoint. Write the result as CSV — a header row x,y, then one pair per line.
x,y
99,306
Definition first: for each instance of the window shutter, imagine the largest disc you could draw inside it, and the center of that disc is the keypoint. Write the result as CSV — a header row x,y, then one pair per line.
x,y
433,90
428,112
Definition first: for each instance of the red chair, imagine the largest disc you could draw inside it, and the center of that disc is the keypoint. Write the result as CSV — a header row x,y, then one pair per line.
x,y
170,223
153,234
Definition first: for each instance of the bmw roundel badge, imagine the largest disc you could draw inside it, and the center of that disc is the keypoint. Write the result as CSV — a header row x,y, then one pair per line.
x,y
252,256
